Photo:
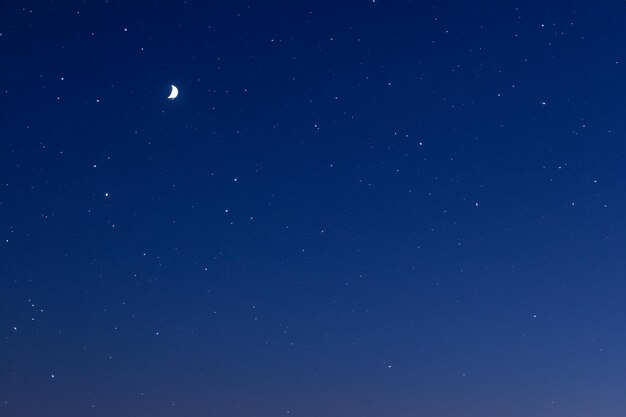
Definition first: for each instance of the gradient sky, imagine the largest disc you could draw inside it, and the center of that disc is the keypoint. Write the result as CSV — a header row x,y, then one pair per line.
x,y
353,208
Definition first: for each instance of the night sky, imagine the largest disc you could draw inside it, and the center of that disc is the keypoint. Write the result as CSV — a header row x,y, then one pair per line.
x,y
352,208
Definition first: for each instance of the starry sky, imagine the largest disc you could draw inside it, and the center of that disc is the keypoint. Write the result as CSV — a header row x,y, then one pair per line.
x,y
353,208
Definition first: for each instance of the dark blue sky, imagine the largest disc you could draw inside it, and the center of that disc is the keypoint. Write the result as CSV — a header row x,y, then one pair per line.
x,y
357,208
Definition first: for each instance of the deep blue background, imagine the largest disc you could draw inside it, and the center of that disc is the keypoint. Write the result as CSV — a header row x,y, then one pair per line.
x,y
390,208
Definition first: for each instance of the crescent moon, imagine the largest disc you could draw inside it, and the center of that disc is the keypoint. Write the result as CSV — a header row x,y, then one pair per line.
x,y
174,93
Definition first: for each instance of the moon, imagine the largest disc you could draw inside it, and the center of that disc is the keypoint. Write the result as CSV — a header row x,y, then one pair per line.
x,y
174,93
